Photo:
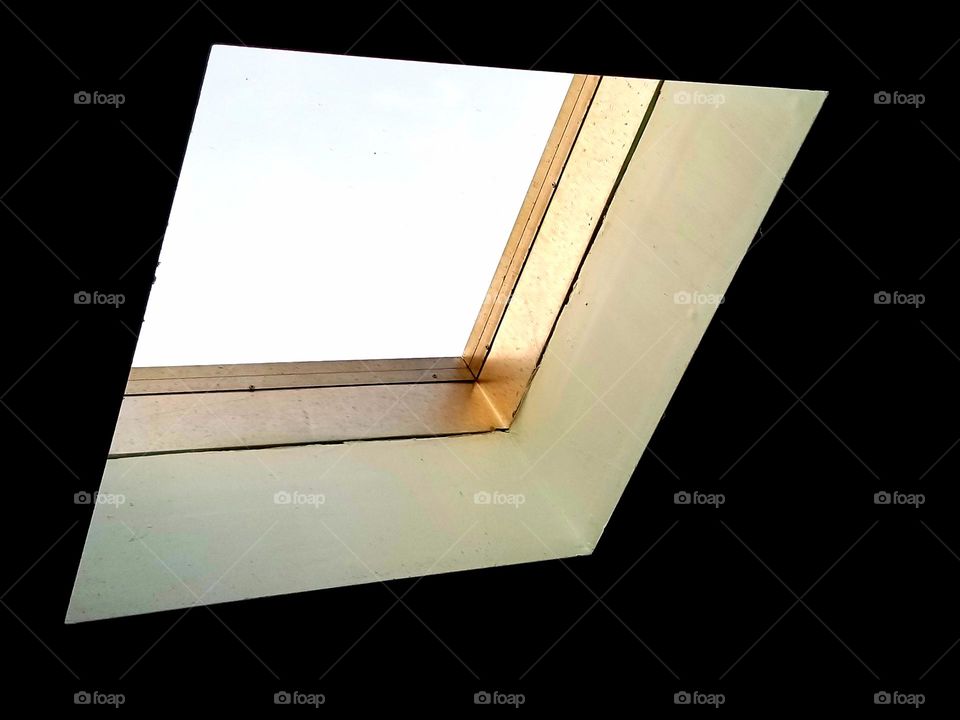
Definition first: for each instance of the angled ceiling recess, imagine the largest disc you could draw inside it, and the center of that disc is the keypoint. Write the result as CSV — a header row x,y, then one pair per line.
x,y
644,201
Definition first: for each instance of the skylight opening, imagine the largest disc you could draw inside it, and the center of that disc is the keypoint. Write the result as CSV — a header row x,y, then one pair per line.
x,y
342,208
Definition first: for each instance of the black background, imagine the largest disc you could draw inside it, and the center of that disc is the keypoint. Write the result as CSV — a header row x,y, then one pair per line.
x,y
691,598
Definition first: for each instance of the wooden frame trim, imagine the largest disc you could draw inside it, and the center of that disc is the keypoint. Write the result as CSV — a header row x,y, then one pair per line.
x,y
547,176
188,422
283,376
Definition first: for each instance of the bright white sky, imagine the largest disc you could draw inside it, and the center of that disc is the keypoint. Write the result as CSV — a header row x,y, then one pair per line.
x,y
341,208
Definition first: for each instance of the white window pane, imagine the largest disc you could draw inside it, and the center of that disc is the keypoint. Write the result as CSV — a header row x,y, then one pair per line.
x,y
337,208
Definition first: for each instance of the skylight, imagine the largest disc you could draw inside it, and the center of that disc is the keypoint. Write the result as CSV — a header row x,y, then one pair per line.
x,y
339,208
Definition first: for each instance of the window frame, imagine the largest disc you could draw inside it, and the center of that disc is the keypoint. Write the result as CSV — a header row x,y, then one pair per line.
x,y
170,409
